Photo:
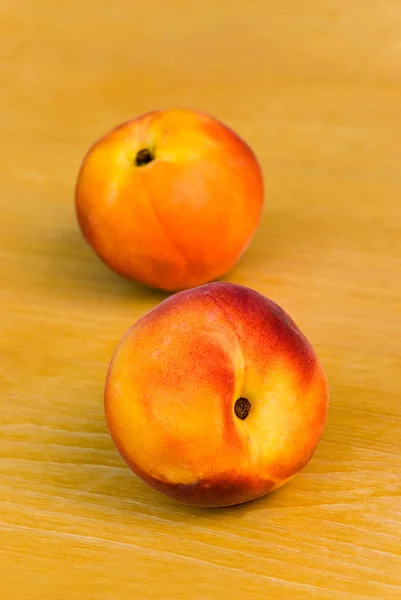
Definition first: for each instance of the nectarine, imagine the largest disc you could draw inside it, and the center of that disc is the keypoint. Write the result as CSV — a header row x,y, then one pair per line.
x,y
171,199
215,397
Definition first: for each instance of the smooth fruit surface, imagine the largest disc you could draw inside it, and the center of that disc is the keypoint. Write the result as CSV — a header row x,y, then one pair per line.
x,y
171,199
215,397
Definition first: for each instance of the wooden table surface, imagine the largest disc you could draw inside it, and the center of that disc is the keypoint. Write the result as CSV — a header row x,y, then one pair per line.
x,y
315,87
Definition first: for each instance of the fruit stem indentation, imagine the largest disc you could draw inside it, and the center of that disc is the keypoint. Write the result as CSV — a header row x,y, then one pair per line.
x,y
143,157
242,408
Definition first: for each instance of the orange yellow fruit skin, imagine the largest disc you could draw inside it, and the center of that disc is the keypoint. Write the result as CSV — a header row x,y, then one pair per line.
x,y
173,382
183,219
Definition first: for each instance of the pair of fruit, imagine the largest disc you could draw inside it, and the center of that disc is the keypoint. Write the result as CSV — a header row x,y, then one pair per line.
x,y
214,397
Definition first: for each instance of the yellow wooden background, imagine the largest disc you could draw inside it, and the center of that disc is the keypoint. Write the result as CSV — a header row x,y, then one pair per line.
x,y
315,87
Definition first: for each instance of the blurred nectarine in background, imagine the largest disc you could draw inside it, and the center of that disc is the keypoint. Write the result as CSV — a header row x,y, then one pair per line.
x,y
215,397
171,199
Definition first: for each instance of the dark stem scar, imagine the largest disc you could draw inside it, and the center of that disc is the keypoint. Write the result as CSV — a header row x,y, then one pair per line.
x,y
242,408
143,157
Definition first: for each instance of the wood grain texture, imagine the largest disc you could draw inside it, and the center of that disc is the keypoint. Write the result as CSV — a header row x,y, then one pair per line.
x,y
315,87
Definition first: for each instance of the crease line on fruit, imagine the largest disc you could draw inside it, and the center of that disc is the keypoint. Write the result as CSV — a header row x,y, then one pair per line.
x,y
164,227
230,322
234,329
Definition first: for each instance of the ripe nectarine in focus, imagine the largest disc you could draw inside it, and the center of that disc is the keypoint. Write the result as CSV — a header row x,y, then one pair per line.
x,y
171,199
215,397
